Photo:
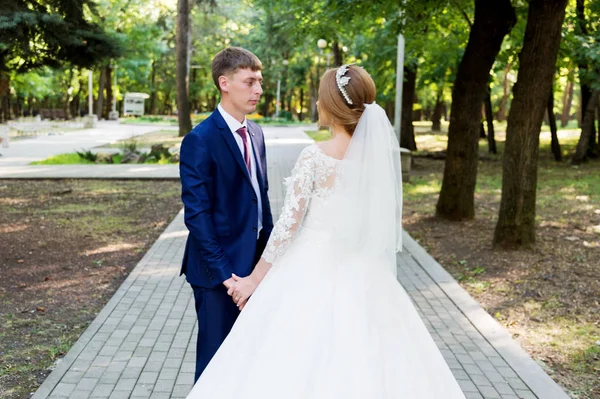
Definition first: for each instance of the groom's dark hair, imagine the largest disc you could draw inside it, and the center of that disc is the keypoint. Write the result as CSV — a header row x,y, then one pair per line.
x,y
230,60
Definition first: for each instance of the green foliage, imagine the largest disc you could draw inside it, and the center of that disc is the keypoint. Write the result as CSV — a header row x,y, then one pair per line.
x,y
34,33
63,159
319,135
87,155
129,146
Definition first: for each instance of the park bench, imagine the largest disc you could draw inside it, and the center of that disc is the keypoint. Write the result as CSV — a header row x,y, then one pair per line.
x,y
52,114
27,129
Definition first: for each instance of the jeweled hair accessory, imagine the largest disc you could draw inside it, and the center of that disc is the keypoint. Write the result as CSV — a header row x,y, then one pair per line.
x,y
342,81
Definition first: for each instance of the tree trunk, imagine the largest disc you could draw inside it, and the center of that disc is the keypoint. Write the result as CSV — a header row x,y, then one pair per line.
x,y
68,98
301,115
437,114
586,90
502,107
4,93
109,91
268,99
493,20
482,134
314,115
489,116
567,102
338,57
587,129
592,151
183,66
516,220
153,102
553,130
101,86
407,130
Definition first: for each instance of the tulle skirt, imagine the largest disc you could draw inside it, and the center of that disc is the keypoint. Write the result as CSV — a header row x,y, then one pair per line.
x,y
327,323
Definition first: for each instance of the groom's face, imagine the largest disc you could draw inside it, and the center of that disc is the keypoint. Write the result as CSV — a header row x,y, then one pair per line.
x,y
244,89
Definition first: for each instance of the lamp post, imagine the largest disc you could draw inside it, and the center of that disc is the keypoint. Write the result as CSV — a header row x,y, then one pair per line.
x,y
277,104
321,44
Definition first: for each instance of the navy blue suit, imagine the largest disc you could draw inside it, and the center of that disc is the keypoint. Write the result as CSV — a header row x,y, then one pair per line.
x,y
221,214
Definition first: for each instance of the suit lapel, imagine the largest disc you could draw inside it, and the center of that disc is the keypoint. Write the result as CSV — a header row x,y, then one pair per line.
x,y
231,143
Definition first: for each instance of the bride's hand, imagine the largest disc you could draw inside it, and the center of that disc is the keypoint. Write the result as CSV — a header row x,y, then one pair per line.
x,y
242,289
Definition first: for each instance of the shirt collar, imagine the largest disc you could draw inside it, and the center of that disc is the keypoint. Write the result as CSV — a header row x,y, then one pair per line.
x,y
232,123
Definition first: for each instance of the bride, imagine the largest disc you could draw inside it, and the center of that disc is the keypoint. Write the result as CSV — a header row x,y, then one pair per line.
x,y
327,318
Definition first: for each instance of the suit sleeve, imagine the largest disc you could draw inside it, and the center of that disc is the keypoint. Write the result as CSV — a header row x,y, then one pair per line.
x,y
196,177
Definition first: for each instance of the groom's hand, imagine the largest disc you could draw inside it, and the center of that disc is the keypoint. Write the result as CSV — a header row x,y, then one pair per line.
x,y
228,284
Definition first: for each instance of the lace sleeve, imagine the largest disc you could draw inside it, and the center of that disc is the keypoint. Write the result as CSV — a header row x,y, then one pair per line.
x,y
299,188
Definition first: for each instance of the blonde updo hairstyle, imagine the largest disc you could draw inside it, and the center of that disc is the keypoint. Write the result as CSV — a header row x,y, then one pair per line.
x,y
333,108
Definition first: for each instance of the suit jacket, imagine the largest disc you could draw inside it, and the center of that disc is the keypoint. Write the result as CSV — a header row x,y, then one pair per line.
x,y
220,204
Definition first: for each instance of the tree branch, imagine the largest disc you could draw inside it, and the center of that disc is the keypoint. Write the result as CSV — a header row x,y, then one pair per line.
x,y
463,12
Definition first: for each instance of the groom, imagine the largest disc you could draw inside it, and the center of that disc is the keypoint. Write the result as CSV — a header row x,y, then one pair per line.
x,y
224,191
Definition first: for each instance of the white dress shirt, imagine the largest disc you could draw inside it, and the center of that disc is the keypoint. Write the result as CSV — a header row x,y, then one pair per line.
x,y
234,125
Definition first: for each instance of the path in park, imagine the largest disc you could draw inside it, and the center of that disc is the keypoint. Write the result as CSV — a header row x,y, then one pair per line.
x,y
24,151
142,344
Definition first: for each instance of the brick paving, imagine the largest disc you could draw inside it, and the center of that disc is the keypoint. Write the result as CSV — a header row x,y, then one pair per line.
x,y
142,344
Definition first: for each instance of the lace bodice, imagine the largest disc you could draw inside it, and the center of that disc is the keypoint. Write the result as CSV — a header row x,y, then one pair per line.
x,y
310,184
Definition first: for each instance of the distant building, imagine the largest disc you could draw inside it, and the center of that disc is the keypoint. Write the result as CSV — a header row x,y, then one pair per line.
x,y
133,104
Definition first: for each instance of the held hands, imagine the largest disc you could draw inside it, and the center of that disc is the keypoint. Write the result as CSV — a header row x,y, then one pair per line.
x,y
240,289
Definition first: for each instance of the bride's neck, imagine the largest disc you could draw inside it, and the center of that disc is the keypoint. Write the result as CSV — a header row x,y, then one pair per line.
x,y
339,134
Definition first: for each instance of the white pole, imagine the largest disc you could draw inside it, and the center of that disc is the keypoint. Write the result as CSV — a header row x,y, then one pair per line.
x,y
399,84
90,97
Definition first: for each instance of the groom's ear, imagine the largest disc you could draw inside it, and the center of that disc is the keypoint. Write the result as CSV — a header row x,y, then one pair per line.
x,y
223,83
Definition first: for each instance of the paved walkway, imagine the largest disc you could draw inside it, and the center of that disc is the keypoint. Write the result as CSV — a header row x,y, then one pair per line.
x,y
22,152
142,344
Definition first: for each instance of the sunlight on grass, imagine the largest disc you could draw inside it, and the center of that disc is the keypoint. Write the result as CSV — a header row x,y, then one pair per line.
x,y
421,186
319,135
63,159
74,159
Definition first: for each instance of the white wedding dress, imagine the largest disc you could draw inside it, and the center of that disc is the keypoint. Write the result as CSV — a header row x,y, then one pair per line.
x,y
329,321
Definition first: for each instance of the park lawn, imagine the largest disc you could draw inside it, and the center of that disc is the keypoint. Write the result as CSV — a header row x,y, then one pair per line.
x,y
63,159
548,298
74,159
319,135
67,245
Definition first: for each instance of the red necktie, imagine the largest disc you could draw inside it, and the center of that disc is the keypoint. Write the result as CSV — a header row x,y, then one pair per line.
x,y
244,134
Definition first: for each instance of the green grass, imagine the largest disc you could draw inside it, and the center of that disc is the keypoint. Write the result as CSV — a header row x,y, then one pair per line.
x,y
63,159
74,159
499,126
319,135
